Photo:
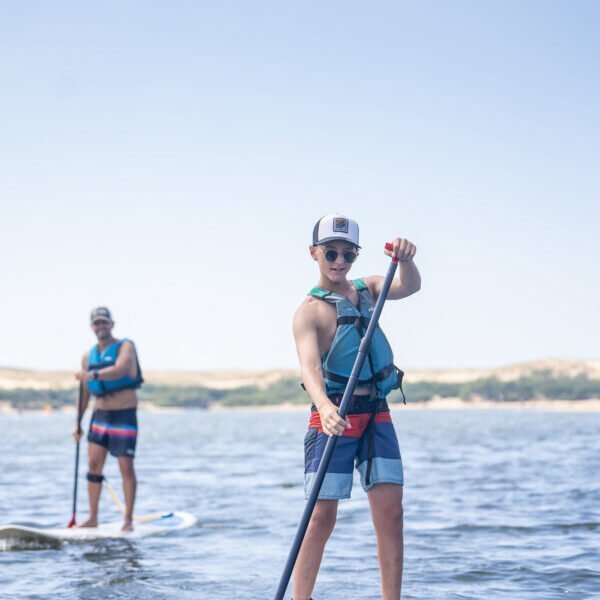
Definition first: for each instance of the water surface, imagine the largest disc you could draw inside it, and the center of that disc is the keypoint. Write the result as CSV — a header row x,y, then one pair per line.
x,y
498,504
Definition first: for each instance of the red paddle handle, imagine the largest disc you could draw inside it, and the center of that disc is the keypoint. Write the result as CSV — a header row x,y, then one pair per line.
x,y
390,246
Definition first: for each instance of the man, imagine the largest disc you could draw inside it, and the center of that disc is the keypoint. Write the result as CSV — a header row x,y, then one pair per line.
x,y
328,327
110,371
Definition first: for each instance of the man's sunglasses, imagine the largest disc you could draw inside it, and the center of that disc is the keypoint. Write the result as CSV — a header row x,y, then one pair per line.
x,y
349,256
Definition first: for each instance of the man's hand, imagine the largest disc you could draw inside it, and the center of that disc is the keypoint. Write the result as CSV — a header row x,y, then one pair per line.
x,y
331,421
77,433
402,249
83,376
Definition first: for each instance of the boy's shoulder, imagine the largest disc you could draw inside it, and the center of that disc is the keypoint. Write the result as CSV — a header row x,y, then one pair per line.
x,y
312,309
310,304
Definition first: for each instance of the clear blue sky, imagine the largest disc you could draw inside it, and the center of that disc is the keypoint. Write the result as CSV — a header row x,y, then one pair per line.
x,y
169,159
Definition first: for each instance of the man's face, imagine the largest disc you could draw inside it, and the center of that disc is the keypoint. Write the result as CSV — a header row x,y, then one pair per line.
x,y
335,258
103,329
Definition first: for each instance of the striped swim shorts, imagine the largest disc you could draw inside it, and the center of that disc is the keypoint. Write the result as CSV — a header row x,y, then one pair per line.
x,y
371,445
115,430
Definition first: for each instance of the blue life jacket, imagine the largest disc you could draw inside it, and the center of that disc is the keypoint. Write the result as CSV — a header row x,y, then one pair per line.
x,y
100,360
352,322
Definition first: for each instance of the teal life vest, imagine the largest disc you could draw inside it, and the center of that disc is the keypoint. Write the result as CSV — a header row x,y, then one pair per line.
x,y
352,322
107,358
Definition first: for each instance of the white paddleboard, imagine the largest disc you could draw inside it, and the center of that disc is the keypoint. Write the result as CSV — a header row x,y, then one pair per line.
x,y
13,534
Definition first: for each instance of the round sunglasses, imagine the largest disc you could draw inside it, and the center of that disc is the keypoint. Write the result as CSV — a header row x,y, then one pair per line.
x,y
348,255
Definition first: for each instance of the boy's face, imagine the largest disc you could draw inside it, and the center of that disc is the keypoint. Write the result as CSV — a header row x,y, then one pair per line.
x,y
335,258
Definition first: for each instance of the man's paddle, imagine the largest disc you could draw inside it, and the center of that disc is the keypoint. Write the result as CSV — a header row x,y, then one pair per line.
x,y
79,416
143,518
363,352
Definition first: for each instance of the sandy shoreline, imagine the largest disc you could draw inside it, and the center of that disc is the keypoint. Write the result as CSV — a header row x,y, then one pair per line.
x,y
592,405
545,405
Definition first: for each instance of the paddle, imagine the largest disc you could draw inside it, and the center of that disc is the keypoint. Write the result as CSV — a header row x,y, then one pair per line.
x,y
79,416
363,352
143,518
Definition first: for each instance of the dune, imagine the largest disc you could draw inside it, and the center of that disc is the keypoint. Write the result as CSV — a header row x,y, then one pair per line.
x,y
14,379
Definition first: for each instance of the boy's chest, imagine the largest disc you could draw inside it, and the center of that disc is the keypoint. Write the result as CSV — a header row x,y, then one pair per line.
x,y
327,326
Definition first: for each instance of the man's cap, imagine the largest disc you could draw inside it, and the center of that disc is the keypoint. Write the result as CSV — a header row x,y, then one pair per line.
x,y
100,314
335,227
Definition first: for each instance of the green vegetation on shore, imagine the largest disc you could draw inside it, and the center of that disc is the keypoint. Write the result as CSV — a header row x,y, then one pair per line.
x,y
539,384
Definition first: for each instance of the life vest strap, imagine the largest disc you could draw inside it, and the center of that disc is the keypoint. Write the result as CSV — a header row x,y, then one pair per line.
x,y
370,433
350,320
341,379
384,373
400,378
379,376
327,295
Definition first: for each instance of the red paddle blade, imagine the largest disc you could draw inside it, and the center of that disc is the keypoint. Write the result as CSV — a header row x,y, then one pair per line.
x,y
72,522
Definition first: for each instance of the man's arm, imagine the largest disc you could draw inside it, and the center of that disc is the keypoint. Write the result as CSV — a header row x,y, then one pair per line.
x,y
307,347
408,281
123,365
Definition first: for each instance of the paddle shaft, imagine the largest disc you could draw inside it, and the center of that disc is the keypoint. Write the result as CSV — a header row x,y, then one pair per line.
x,y
121,506
363,352
79,416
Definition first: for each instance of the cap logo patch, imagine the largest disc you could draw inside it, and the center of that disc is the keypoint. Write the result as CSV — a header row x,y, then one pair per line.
x,y
340,225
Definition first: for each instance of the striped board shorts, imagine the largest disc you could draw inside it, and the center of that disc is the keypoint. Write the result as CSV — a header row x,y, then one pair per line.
x,y
115,430
371,445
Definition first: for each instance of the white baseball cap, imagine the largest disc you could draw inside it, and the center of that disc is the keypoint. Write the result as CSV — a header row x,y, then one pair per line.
x,y
335,227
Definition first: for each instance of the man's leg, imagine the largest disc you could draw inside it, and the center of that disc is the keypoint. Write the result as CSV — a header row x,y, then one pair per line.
x,y
319,529
387,514
96,458
129,488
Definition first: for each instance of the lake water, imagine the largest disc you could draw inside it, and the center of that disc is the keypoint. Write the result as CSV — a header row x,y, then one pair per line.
x,y
498,504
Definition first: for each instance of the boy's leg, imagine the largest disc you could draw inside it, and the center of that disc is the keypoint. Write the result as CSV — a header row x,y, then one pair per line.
x,y
382,476
319,529
336,486
387,514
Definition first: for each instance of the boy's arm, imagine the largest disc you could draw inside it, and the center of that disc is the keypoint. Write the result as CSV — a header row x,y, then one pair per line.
x,y
307,347
409,279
